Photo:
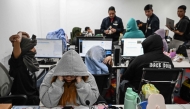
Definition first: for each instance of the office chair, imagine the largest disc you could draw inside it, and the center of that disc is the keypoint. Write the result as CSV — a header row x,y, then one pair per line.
x,y
164,80
5,88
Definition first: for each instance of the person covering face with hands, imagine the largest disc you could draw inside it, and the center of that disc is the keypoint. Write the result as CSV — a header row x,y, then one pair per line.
x,y
69,83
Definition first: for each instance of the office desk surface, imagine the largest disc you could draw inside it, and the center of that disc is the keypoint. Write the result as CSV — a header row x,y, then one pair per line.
x,y
169,106
184,64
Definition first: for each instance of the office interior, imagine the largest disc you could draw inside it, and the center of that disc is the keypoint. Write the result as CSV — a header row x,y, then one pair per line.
x,y
40,17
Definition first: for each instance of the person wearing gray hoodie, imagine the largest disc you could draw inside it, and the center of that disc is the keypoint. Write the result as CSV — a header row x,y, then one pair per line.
x,y
69,83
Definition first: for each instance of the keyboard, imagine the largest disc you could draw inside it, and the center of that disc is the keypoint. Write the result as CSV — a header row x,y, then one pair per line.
x,y
47,63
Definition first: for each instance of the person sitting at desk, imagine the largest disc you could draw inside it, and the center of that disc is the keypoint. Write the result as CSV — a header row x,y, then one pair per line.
x,y
87,32
132,30
23,66
69,83
161,33
153,57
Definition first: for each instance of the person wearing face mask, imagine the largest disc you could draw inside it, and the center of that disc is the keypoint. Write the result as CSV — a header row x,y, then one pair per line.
x,y
69,83
23,66
112,26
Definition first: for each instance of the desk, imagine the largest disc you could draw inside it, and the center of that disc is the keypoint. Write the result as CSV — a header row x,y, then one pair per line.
x,y
46,66
184,64
170,106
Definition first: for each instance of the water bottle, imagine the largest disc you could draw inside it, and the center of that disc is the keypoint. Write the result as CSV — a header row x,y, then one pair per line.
x,y
131,97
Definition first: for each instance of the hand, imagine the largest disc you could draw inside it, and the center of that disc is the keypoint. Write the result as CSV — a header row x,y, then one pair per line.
x,y
108,60
106,31
113,30
79,79
60,78
24,34
168,27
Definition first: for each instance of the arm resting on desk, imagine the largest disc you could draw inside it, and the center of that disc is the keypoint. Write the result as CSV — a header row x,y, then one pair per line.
x,y
50,93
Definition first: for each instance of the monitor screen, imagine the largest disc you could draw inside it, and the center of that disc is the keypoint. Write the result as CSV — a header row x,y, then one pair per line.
x,y
132,47
85,38
49,48
86,44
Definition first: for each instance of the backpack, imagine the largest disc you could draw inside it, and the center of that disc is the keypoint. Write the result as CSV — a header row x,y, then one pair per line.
x,y
76,31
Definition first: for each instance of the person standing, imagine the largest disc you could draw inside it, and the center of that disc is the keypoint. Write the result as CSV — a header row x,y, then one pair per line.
x,y
182,27
153,22
112,25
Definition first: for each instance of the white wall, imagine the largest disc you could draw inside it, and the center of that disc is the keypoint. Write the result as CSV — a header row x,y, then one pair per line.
x,y
83,13
42,16
33,16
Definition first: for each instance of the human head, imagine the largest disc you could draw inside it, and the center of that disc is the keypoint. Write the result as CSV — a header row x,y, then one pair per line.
x,y
111,12
148,10
181,11
87,29
28,44
161,33
152,43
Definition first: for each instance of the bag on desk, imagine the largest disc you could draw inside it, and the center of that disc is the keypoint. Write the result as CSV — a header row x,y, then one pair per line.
x,y
182,50
185,90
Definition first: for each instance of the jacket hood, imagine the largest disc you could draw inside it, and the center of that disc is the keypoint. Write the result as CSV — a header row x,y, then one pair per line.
x,y
71,64
94,60
161,32
152,43
132,25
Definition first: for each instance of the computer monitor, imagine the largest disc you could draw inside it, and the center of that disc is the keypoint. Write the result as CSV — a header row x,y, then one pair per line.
x,y
132,47
97,31
86,44
49,48
86,38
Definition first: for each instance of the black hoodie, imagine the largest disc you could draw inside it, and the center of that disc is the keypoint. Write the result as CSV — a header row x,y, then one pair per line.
x,y
153,58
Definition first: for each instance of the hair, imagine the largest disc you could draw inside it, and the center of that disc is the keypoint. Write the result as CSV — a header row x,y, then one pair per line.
x,y
147,7
138,22
182,7
70,92
86,28
111,8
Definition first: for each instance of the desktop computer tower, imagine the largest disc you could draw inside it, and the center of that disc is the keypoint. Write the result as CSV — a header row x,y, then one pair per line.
x,y
117,55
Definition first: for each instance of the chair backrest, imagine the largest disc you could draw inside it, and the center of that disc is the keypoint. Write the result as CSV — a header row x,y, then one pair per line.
x,y
5,81
164,80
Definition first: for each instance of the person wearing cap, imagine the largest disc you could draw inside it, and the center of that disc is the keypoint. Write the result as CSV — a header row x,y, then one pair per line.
x,y
182,27
153,22
23,66
141,25
69,83
112,26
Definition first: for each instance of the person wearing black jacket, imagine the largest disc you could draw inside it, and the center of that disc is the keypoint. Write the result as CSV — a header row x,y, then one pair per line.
x,y
153,22
182,28
23,66
112,26
153,57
